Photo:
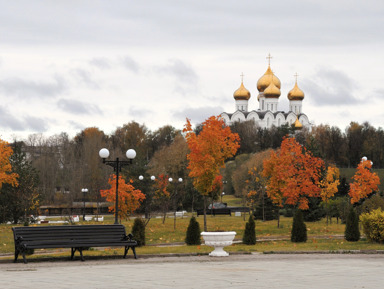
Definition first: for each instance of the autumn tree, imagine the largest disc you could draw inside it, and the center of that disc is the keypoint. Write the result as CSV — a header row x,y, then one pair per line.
x,y
132,135
93,173
293,175
249,182
329,186
217,188
365,182
163,136
247,131
57,163
18,202
6,174
171,160
162,195
129,197
208,152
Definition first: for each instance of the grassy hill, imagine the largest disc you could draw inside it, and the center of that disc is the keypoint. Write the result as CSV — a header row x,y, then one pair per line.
x,y
349,172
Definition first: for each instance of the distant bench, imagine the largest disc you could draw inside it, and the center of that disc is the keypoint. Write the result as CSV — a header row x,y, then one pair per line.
x,y
221,211
77,238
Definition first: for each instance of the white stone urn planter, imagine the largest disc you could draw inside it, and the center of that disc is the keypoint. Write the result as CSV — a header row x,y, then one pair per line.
x,y
218,240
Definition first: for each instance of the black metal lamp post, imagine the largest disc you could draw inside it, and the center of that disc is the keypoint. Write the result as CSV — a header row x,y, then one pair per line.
x,y
148,198
117,165
175,199
84,192
222,194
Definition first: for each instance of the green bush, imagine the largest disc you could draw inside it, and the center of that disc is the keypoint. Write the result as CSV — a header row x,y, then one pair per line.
x,y
138,231
315,212
373,225
299,229
352,232
193,233
373,203
249,237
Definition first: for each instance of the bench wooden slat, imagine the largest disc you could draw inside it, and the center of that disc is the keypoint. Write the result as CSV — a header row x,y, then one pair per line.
x,y
75,237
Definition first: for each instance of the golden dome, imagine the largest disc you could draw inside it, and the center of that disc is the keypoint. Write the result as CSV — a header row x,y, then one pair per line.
x,y
296,93
266,80
242,93
272,91
298,124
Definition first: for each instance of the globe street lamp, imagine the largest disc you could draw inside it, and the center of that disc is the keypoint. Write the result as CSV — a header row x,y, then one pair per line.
x,y
148,198
117,165
180,180
84,192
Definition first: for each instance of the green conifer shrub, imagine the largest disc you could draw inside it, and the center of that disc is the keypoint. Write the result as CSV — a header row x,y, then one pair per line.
x,y
249,237
193,233
299,229
352,232
138,231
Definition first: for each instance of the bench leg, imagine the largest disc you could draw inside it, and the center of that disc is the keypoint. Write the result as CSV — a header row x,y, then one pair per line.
x,y
134,251
24,258
125,251
81,254
73,250
16,255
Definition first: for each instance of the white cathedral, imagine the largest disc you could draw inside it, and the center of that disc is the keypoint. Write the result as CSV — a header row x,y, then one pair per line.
x,y
268,114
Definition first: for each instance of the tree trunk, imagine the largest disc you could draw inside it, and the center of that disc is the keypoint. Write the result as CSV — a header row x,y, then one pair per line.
x,y
205,213
263,208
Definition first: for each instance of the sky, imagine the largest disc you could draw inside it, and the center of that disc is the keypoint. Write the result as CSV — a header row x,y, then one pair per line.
x,y
68,65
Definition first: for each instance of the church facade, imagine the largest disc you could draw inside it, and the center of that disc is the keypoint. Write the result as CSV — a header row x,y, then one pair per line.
x,y
268,113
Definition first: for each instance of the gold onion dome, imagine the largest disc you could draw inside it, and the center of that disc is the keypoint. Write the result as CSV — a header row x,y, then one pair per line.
x,y
242,93
298,124
266,80
296,93
272,91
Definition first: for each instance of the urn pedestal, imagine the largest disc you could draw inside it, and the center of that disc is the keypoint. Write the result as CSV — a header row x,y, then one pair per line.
x,y
218,240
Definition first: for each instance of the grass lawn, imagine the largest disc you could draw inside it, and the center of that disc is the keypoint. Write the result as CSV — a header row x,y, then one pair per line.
x,y
320,237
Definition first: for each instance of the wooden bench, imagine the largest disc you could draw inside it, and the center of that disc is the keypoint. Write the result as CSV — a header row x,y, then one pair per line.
x,y
77,238
221,211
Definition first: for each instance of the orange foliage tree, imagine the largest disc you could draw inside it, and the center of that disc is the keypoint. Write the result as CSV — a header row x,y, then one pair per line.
x,y
217,188
208,152
162,196
129,197
293,174
329,186
6,175
365,182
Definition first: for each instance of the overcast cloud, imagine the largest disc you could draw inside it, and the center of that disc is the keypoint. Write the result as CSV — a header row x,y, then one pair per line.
x,y
68,65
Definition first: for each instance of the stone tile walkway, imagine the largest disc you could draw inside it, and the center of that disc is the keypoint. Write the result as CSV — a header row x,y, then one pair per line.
x,y
236,271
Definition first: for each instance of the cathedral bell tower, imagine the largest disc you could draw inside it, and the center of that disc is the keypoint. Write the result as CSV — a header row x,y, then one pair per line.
x,y
242,95
296,96
269,90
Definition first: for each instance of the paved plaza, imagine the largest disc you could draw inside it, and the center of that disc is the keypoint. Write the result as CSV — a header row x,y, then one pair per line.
x,y
236,271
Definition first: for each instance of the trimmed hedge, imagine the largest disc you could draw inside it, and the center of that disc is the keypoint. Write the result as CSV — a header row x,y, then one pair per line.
x,y
299,229
352,232
193,233
249,237
138,231
373,225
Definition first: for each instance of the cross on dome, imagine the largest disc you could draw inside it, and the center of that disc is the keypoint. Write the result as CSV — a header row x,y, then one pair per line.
x,y
296,75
